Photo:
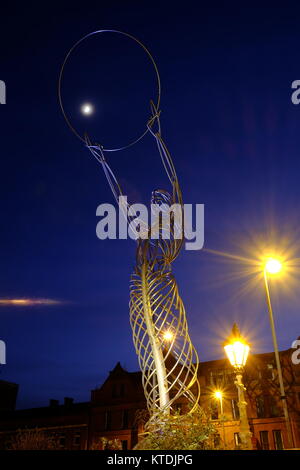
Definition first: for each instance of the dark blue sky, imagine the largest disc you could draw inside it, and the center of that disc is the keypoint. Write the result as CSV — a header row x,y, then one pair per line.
x,y
233,132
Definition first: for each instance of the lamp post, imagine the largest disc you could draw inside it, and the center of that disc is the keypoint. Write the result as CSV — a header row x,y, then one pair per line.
x,y
237,351
219,396
273,266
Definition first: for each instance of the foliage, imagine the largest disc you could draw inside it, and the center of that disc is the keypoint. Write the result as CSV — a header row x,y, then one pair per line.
x,y
192,431
106,444
33,439
141,417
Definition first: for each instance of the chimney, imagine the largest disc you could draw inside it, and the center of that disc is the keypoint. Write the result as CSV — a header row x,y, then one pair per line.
x,y
53,403
68,401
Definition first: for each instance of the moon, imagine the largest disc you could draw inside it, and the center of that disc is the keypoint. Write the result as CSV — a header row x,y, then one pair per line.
x,y
87,109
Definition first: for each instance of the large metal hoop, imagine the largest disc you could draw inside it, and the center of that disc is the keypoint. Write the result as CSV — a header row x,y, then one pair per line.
x,y
83,139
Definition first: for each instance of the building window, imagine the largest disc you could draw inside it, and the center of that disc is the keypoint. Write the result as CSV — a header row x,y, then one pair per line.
x,y
278,444
217,378
235,409
214,410
264,440
124,419
260,406
267,372
118,390
122,390
270,372
274,409
237,439
62,441
217,440
229,376
76,439
124,445
107,420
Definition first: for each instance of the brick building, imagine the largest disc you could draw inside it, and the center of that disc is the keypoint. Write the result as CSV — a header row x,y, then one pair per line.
x,y
113,408
8,396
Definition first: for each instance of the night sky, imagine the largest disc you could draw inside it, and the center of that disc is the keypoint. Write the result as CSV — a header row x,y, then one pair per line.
x,y
233,132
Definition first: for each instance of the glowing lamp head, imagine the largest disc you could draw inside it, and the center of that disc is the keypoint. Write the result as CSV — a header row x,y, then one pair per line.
x,y
87,109
168,336
237,349
273,266
218,395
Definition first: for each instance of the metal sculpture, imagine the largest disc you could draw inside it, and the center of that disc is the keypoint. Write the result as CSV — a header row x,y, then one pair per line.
x,y
167,358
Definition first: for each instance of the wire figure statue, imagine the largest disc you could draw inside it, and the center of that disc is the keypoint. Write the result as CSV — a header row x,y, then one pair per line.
x,y
166,355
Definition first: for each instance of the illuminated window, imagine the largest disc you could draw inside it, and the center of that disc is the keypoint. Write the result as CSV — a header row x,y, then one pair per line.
x,y
260,406
217,378
277,436
264,440
237,439
229,376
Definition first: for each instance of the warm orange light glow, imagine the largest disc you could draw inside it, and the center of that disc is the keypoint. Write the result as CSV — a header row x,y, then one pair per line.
x,y
275,256
237,353
237,349
26,302
273,265
168,336
218,394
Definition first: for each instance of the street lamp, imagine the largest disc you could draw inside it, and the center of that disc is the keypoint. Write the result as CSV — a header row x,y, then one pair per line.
x,y
273,266
168,336
219,396
237,351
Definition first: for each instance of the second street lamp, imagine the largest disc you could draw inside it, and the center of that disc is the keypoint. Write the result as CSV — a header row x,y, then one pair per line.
x,y
237,351
219,396
273,266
